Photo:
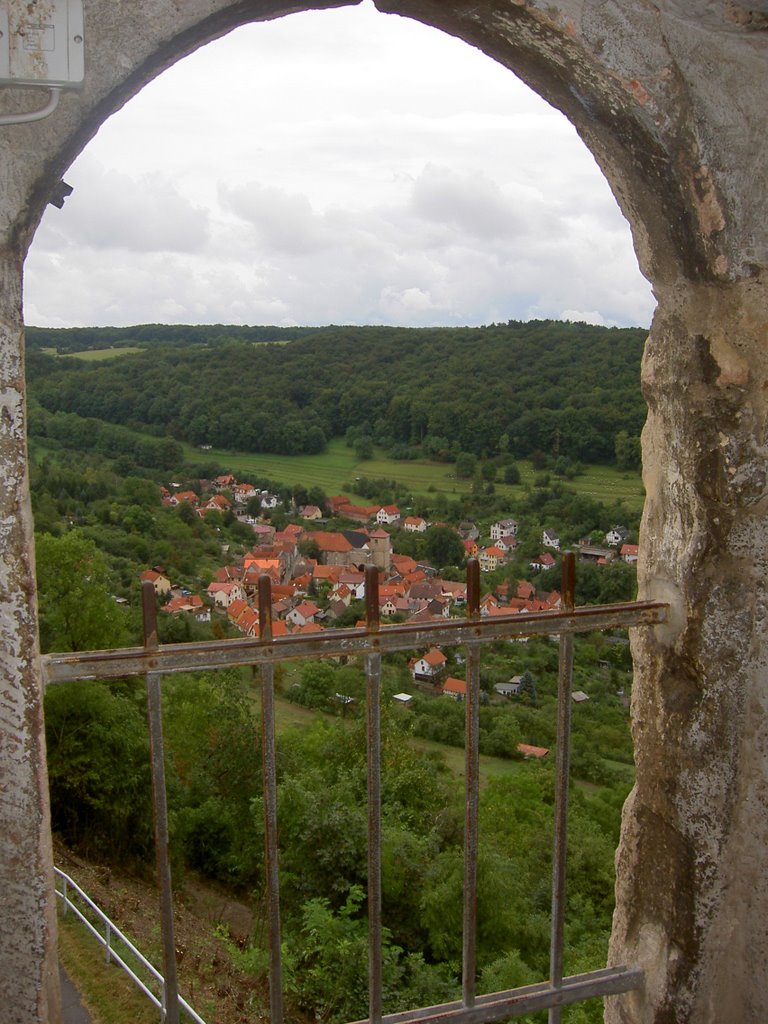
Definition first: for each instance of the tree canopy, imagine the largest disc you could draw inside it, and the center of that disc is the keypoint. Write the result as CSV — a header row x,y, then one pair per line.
x,y
569,390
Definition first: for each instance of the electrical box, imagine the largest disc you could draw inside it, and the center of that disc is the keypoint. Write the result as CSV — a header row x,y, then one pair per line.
x,y
41,43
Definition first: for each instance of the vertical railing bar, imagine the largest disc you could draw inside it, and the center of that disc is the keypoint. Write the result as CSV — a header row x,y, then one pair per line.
x,y
269,760
160,803
373,676
472,792
563,763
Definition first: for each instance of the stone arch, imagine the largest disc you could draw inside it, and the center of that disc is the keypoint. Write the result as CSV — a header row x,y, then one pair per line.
x,y
670,96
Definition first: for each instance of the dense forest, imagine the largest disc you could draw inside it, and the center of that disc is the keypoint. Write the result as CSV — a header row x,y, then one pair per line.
x,y
565,390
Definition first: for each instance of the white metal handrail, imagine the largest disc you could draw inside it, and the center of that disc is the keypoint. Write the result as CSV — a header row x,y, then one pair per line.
x,y
112,932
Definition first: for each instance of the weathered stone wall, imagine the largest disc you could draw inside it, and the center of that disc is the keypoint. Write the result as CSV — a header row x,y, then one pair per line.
x,y
672,98
693,864
28,974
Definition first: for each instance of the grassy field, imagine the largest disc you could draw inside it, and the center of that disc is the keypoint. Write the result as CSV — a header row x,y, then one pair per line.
x,y
289,715
95,355
108,993
338,466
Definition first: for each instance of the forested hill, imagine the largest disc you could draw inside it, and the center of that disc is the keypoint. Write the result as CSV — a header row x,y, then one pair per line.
x,y
560,388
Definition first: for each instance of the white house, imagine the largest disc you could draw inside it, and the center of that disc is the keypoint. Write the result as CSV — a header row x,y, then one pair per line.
x,y
387,515
428,665
414,524
543,561
550,540
616,535
510,689
303,613
503,528
223,594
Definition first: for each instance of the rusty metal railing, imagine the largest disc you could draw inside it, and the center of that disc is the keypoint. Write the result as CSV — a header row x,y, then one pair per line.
x,y
152,661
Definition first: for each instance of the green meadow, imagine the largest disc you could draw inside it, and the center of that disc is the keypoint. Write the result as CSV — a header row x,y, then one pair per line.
x,y
338,466
94,355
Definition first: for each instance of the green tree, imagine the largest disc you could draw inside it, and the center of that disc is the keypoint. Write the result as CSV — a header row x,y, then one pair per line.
x,y
98,770
528,687
363,448
627,449
443,546
77,612
466,463
511,474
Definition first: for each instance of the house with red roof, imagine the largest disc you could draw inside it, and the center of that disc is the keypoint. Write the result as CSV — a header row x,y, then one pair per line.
x,y
311,512
243,492
303,613
188,605
414,524
227,573
386,515
218,503
454,591
329,574
334,548
628,553
543,561
429,666
309,627
189,496
236,609
248,622
223,594
341,592
337,504
403,564
490,558
160,582
359,513
454,688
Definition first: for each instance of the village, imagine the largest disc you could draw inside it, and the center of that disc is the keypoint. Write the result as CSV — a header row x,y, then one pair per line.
x,y
318,575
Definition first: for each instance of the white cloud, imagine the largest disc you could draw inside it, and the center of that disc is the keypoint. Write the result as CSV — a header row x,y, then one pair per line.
x,y
336,166
286,222
112,210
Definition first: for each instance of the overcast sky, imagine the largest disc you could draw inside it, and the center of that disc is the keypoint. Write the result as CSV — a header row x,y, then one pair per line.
x,y
335,167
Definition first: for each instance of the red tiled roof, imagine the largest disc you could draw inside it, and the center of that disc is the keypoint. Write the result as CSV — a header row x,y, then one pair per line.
x,y
307,609
328,542
434,657
453,685
528,751
236,609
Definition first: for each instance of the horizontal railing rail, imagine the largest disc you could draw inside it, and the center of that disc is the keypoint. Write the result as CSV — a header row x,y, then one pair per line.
x,y
213,654
65,887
